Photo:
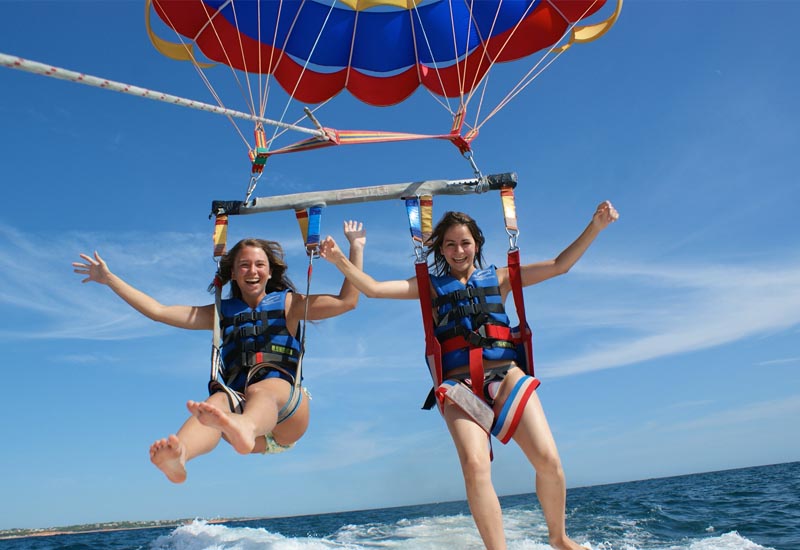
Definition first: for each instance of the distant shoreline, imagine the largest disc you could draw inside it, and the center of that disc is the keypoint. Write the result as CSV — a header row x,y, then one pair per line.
x,y
77,530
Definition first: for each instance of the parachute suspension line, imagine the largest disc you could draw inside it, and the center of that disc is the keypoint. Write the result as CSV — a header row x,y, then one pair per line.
x,y
266,86
305,66
352,49
480,60
572,29
309,114
210,22
477,73
277,62
523,83
446,102
461,76
417,64
253,107
526,80
486,75
262,86
198,67
478,123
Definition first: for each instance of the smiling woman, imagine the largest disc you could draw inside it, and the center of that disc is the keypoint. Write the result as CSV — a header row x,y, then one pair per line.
x,y
484,386
258,406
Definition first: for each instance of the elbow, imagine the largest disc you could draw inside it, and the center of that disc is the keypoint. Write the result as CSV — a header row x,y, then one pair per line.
x,y
561,268
349,304
371,294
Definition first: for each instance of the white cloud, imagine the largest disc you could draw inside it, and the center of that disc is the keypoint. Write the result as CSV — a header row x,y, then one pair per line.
x,y
678,309
784,361
759,412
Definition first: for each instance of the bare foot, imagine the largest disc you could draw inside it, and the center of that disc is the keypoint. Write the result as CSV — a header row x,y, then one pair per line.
x,y
231,425
169,456
566,543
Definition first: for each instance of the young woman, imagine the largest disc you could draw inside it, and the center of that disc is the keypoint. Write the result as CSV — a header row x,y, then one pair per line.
x,y
457,246
257,409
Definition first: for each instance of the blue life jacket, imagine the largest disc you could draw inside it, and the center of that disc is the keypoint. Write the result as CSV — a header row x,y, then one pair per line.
x,y
254,336
471,315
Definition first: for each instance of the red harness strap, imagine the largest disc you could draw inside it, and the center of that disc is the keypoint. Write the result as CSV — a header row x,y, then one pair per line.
x,y
433,350
525,336
495,332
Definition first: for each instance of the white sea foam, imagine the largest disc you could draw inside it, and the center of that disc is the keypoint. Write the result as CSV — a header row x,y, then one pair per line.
x,y
524,530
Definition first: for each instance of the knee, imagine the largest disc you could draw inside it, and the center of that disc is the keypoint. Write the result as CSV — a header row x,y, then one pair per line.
x,y
261,391
477,469
549,465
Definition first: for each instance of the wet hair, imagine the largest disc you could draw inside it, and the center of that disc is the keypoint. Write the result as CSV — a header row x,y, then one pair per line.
x,y
278,279
436,240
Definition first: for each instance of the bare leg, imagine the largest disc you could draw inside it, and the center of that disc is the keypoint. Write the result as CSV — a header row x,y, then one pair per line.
x,y
193,439
473,451
536,441
260,415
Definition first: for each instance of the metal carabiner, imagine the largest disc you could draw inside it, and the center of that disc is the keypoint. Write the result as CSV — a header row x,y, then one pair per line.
x,y
419,253
513,235
482,183
252,186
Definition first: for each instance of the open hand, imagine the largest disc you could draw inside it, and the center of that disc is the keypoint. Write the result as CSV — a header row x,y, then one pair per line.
x,y
355,233
95,269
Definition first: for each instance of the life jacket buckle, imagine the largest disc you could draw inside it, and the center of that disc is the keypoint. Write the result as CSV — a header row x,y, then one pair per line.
x,y
468,310
475,339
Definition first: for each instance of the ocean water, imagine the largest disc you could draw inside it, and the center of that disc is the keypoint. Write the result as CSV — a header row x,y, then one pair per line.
x,y
746,509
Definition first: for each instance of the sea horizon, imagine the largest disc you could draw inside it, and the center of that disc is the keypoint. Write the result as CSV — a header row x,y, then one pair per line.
x,y
457,507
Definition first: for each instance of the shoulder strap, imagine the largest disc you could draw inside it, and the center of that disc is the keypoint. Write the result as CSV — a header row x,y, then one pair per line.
x,y
525,336
220,243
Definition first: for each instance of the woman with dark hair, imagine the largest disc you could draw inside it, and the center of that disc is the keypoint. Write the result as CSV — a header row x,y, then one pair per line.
x,y
468,304
257,409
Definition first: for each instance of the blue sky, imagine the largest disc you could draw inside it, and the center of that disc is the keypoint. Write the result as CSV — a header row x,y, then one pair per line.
x,y
671,348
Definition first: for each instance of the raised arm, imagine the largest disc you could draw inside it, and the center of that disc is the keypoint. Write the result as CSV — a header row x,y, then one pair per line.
x,y
399,289
604,215
323,306
188,317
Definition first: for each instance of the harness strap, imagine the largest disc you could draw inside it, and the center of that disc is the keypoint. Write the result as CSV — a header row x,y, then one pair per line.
x,y
470,310
467,293
254,331
220,244
495,336
433,350
251,317
525,336
476,370
309,222
507,421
